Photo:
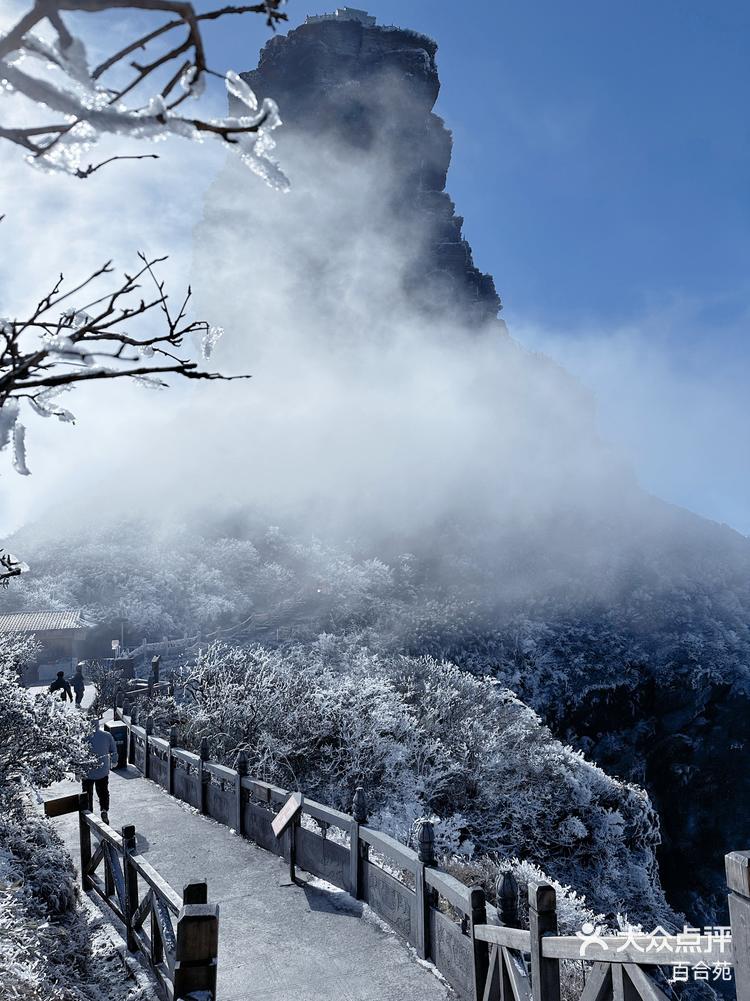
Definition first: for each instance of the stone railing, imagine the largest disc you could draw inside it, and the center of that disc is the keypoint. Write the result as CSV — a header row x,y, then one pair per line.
x,y
478,949
432,910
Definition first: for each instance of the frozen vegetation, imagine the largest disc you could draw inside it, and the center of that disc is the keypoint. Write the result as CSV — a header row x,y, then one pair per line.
x,y
425,739
404,558
52,948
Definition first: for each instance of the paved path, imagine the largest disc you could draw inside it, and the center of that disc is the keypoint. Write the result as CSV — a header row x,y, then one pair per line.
x,y
276,943
89,694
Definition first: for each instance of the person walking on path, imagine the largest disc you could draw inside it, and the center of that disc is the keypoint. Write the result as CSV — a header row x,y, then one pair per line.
x,y
79,685
61,685
104,747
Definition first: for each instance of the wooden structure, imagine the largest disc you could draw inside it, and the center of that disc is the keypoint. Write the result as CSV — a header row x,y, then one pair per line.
x,y
132,689
619,967
61,634
177,934
473,945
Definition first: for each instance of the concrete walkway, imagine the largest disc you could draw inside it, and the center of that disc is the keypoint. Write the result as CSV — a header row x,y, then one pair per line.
x,y
276,943
89,694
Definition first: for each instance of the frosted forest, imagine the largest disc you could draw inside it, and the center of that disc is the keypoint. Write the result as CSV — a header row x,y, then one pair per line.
x,y
401,556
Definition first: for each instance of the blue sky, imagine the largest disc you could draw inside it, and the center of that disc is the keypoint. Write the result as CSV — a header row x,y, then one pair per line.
x,y
602,155
602,164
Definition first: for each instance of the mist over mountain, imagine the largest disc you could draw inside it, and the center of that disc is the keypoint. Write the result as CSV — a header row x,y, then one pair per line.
x,y
401,472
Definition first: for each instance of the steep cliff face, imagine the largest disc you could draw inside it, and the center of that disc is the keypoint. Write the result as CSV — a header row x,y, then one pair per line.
x,y
621,619
371,90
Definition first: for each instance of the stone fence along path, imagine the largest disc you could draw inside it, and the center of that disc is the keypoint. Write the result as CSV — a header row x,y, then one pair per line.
x,y
276,942
291,909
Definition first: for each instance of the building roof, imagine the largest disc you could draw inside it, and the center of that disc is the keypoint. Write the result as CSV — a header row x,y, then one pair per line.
x,y
40,622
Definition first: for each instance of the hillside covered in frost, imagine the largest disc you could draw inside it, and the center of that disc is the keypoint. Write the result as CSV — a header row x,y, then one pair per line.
x,y
624,680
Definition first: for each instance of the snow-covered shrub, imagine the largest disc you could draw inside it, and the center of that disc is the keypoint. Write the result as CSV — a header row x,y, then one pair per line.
x,y
425,739
46,948
572,909
39,854
41,738
106,679
47,952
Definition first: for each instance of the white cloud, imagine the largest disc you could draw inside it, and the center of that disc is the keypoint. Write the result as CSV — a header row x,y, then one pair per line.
x,y
360,410
671,394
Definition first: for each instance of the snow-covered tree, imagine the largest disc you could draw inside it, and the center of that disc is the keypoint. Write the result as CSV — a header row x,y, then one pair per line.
x,y
142,90
42,740
88,332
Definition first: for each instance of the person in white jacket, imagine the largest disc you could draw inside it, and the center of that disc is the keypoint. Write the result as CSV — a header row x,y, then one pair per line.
x,y
104,747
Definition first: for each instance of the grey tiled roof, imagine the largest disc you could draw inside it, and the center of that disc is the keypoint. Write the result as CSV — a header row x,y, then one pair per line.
x,y
37,622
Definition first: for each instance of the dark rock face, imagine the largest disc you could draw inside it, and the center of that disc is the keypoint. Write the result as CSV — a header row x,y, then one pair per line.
x,y
371,90
687,746
647,672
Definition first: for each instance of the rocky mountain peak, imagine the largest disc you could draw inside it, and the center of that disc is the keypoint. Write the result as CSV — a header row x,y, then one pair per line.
x,y
371,89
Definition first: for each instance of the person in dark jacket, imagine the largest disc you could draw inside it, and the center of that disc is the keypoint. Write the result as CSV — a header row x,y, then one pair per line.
x,y
61,685
79,685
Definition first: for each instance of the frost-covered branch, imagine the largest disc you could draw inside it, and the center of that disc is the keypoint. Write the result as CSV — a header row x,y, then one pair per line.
x,y
10,567
60,345
88,103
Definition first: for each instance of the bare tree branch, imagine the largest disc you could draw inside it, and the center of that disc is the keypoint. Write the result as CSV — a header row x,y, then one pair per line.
x,y
49,351
92,168
91,109
9,567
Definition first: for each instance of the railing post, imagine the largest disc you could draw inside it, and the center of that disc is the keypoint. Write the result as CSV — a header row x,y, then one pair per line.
x,y
170,761
114,707
197,943
131,743
130,876
149,730
497,984
359,816
205,775
155,662
84,836
109,882
241,767
738,880
478,916
425,836
545,973
506,894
